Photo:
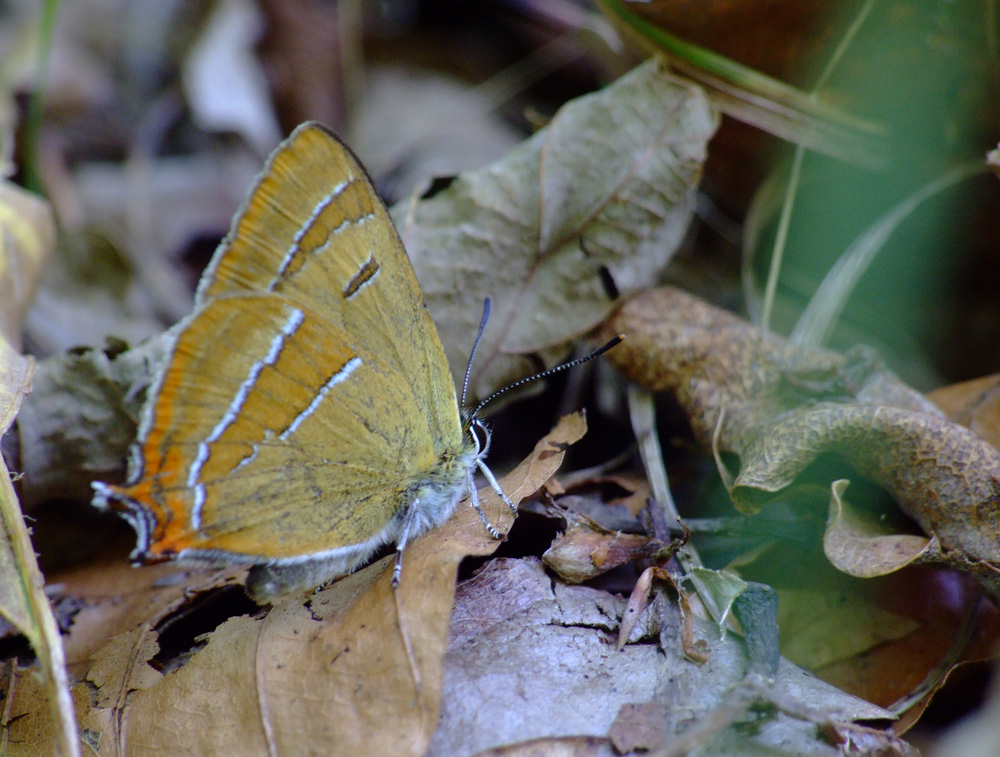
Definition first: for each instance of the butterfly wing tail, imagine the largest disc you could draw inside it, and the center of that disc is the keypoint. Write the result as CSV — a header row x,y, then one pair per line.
x,y
109,497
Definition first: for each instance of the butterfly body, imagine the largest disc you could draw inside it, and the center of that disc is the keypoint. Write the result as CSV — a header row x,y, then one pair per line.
x,y
306,415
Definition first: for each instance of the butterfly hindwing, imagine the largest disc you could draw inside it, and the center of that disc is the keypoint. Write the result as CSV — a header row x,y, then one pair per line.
x,y
282,408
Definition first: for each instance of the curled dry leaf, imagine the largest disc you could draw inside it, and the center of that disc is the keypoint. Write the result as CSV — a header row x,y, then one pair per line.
x,y
861,546
77,424
779,406
638,600
586,549
606,188
355,668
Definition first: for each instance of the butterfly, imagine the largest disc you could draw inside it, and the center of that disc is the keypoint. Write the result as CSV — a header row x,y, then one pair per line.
x,y
306,415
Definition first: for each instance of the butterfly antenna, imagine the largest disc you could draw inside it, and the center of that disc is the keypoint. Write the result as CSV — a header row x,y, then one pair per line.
x,y
565,366
472,355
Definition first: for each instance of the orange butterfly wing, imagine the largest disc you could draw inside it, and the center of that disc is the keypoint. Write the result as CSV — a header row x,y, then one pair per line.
x,y
307,400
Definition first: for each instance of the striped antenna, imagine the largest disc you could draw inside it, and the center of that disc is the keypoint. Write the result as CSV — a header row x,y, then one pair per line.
x,y
472,355
565,366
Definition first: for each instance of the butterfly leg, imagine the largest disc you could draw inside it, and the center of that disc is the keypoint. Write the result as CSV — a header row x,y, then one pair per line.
x,y
474,498
405,534
482,447
496,486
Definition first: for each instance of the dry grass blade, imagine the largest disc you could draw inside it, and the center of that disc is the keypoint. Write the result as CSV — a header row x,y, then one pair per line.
x,y
758,99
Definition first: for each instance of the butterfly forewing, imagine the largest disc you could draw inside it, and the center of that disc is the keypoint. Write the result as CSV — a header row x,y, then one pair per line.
x,y
315,231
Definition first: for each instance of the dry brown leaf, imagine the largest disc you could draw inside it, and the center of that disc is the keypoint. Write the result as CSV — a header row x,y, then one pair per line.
x,y
78,422
605,189
638,600
939,601
211,705
862,546
122,666
813,626
357,665
694,650
630,489
114,599
119,670
586,549
640,727
635,486
974,404
114,627
779,406
25,717
531,658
